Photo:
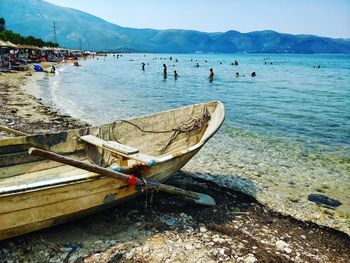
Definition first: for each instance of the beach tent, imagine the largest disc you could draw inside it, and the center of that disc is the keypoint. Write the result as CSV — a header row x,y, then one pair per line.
x,y
11,45
76,52
28,47
3,44
48,48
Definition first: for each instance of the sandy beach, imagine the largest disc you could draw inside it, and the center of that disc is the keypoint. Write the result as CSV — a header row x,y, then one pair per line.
x,y
238,229
22,111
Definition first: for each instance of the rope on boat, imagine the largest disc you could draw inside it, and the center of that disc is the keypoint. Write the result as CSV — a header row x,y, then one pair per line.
x,y
194,124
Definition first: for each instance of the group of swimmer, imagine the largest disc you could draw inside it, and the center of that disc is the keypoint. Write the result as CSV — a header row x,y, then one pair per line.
x,y
211,71
211,74
253,74
176,75
165,72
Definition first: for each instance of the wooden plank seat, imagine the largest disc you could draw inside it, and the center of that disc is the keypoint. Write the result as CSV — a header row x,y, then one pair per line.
x,y
120,149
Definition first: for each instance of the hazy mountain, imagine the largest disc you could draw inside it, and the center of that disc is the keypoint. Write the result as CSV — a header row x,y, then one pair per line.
x,y
36,17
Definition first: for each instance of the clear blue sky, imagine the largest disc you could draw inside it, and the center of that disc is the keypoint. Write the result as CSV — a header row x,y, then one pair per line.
x,y
319,17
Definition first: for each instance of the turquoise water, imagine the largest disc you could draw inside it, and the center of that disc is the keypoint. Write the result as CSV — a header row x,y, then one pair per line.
x,y
287,131
289,98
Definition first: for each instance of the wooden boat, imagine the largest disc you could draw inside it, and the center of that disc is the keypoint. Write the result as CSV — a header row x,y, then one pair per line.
x,y
36,193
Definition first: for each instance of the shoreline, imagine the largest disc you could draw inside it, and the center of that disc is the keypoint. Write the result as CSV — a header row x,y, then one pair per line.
x,y
23,111
261,231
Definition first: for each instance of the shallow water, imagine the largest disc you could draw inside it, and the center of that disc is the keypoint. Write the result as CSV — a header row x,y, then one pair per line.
x,y
287,130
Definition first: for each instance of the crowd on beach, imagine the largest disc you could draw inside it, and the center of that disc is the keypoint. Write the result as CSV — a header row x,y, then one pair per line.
x,y
21,57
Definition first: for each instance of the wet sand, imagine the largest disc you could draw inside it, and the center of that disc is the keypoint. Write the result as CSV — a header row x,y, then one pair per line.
x,y
169,229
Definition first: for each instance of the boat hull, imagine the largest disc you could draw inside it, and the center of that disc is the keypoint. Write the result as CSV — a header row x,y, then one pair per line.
x,y
22,213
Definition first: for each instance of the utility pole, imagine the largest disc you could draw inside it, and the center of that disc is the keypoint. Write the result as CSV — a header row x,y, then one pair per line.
x,y
54,32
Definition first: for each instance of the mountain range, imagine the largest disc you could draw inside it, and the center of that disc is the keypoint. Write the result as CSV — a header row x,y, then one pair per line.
x,y
75,29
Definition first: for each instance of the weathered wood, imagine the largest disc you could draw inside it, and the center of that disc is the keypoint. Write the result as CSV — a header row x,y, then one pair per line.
x,y
74,190
28,168
115,146
79,164
66,215
120,147
12,131
17,158
9,141
102,144
13,149
47,211
45,177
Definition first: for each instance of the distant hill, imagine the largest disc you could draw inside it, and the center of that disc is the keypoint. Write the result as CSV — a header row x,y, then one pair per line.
x,y
35,17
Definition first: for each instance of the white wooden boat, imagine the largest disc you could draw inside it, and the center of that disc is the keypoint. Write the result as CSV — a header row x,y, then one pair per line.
x,y
36,193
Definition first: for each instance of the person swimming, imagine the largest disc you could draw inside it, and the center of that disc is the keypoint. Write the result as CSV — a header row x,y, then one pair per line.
x,y
211,75
237,74
196,65
253,74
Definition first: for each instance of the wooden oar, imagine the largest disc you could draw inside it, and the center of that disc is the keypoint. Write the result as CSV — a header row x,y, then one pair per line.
x,y
198,198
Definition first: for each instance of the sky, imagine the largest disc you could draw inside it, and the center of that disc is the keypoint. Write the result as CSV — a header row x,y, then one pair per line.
x,y
329,18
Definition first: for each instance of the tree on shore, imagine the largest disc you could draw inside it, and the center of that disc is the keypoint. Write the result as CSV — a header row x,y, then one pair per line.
x,y
2,24
8,35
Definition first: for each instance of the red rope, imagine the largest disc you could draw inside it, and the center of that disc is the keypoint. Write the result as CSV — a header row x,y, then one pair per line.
x,y
132,180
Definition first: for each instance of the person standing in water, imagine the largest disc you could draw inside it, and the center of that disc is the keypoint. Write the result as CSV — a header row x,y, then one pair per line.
x,y
175,75
211,75
143,66
165,73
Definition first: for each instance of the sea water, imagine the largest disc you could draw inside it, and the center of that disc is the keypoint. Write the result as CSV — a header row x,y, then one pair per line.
x,y
287,130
